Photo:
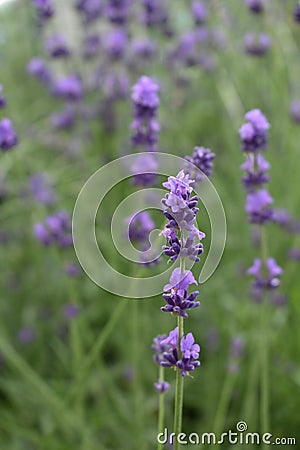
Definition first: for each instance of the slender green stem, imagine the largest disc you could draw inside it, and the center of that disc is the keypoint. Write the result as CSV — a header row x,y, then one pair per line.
x,y
223,403
161,407
178,392
264,404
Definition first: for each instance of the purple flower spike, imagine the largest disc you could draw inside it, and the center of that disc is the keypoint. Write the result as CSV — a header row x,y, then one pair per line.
x,y
116,43
269,281
199,12
257,45
38,68
257,206
297,13
255,6
117,11
254,134
256,168
90,10
8,137
26,335
56,47
178,300
69,88
203,159
70,311
2,98
44,9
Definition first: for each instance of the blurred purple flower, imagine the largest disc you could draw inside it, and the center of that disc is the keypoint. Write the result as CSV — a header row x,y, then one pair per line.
x,y
257,206
257,45
69,88
199,12
38,68
26,335
70,311
44,9
255,6
57,47
254,133
8,137
41,189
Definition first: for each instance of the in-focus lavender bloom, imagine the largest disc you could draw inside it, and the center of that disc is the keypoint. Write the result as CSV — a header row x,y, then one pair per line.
x,y
180,209
26,335
41,189
189,353
63,120
90,10
159,347
256,167
56,229
117,11
177,298
8,137
115,43
38,68
258,206
91,46
70,311
254,133
297,13
295,110
2,98
44,9
199,12
56,47
268,281
255,6
236,352
257,45
69,88
203,159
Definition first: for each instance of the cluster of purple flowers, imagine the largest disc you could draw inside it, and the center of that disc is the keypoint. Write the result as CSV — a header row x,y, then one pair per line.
x,y
166,354
145,128
257,45
8,137
180,209
44,9
254,138
265,278
56,229
255,6
202,158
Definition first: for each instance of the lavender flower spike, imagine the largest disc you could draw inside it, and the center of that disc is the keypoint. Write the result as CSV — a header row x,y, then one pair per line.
x,y
254,133
177,297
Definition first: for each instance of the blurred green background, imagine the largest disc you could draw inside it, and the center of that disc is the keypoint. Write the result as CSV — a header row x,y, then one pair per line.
x,y
87,383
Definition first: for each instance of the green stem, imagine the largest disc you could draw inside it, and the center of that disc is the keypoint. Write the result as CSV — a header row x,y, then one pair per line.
x,y
264,405
178,391
161,408
223,404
